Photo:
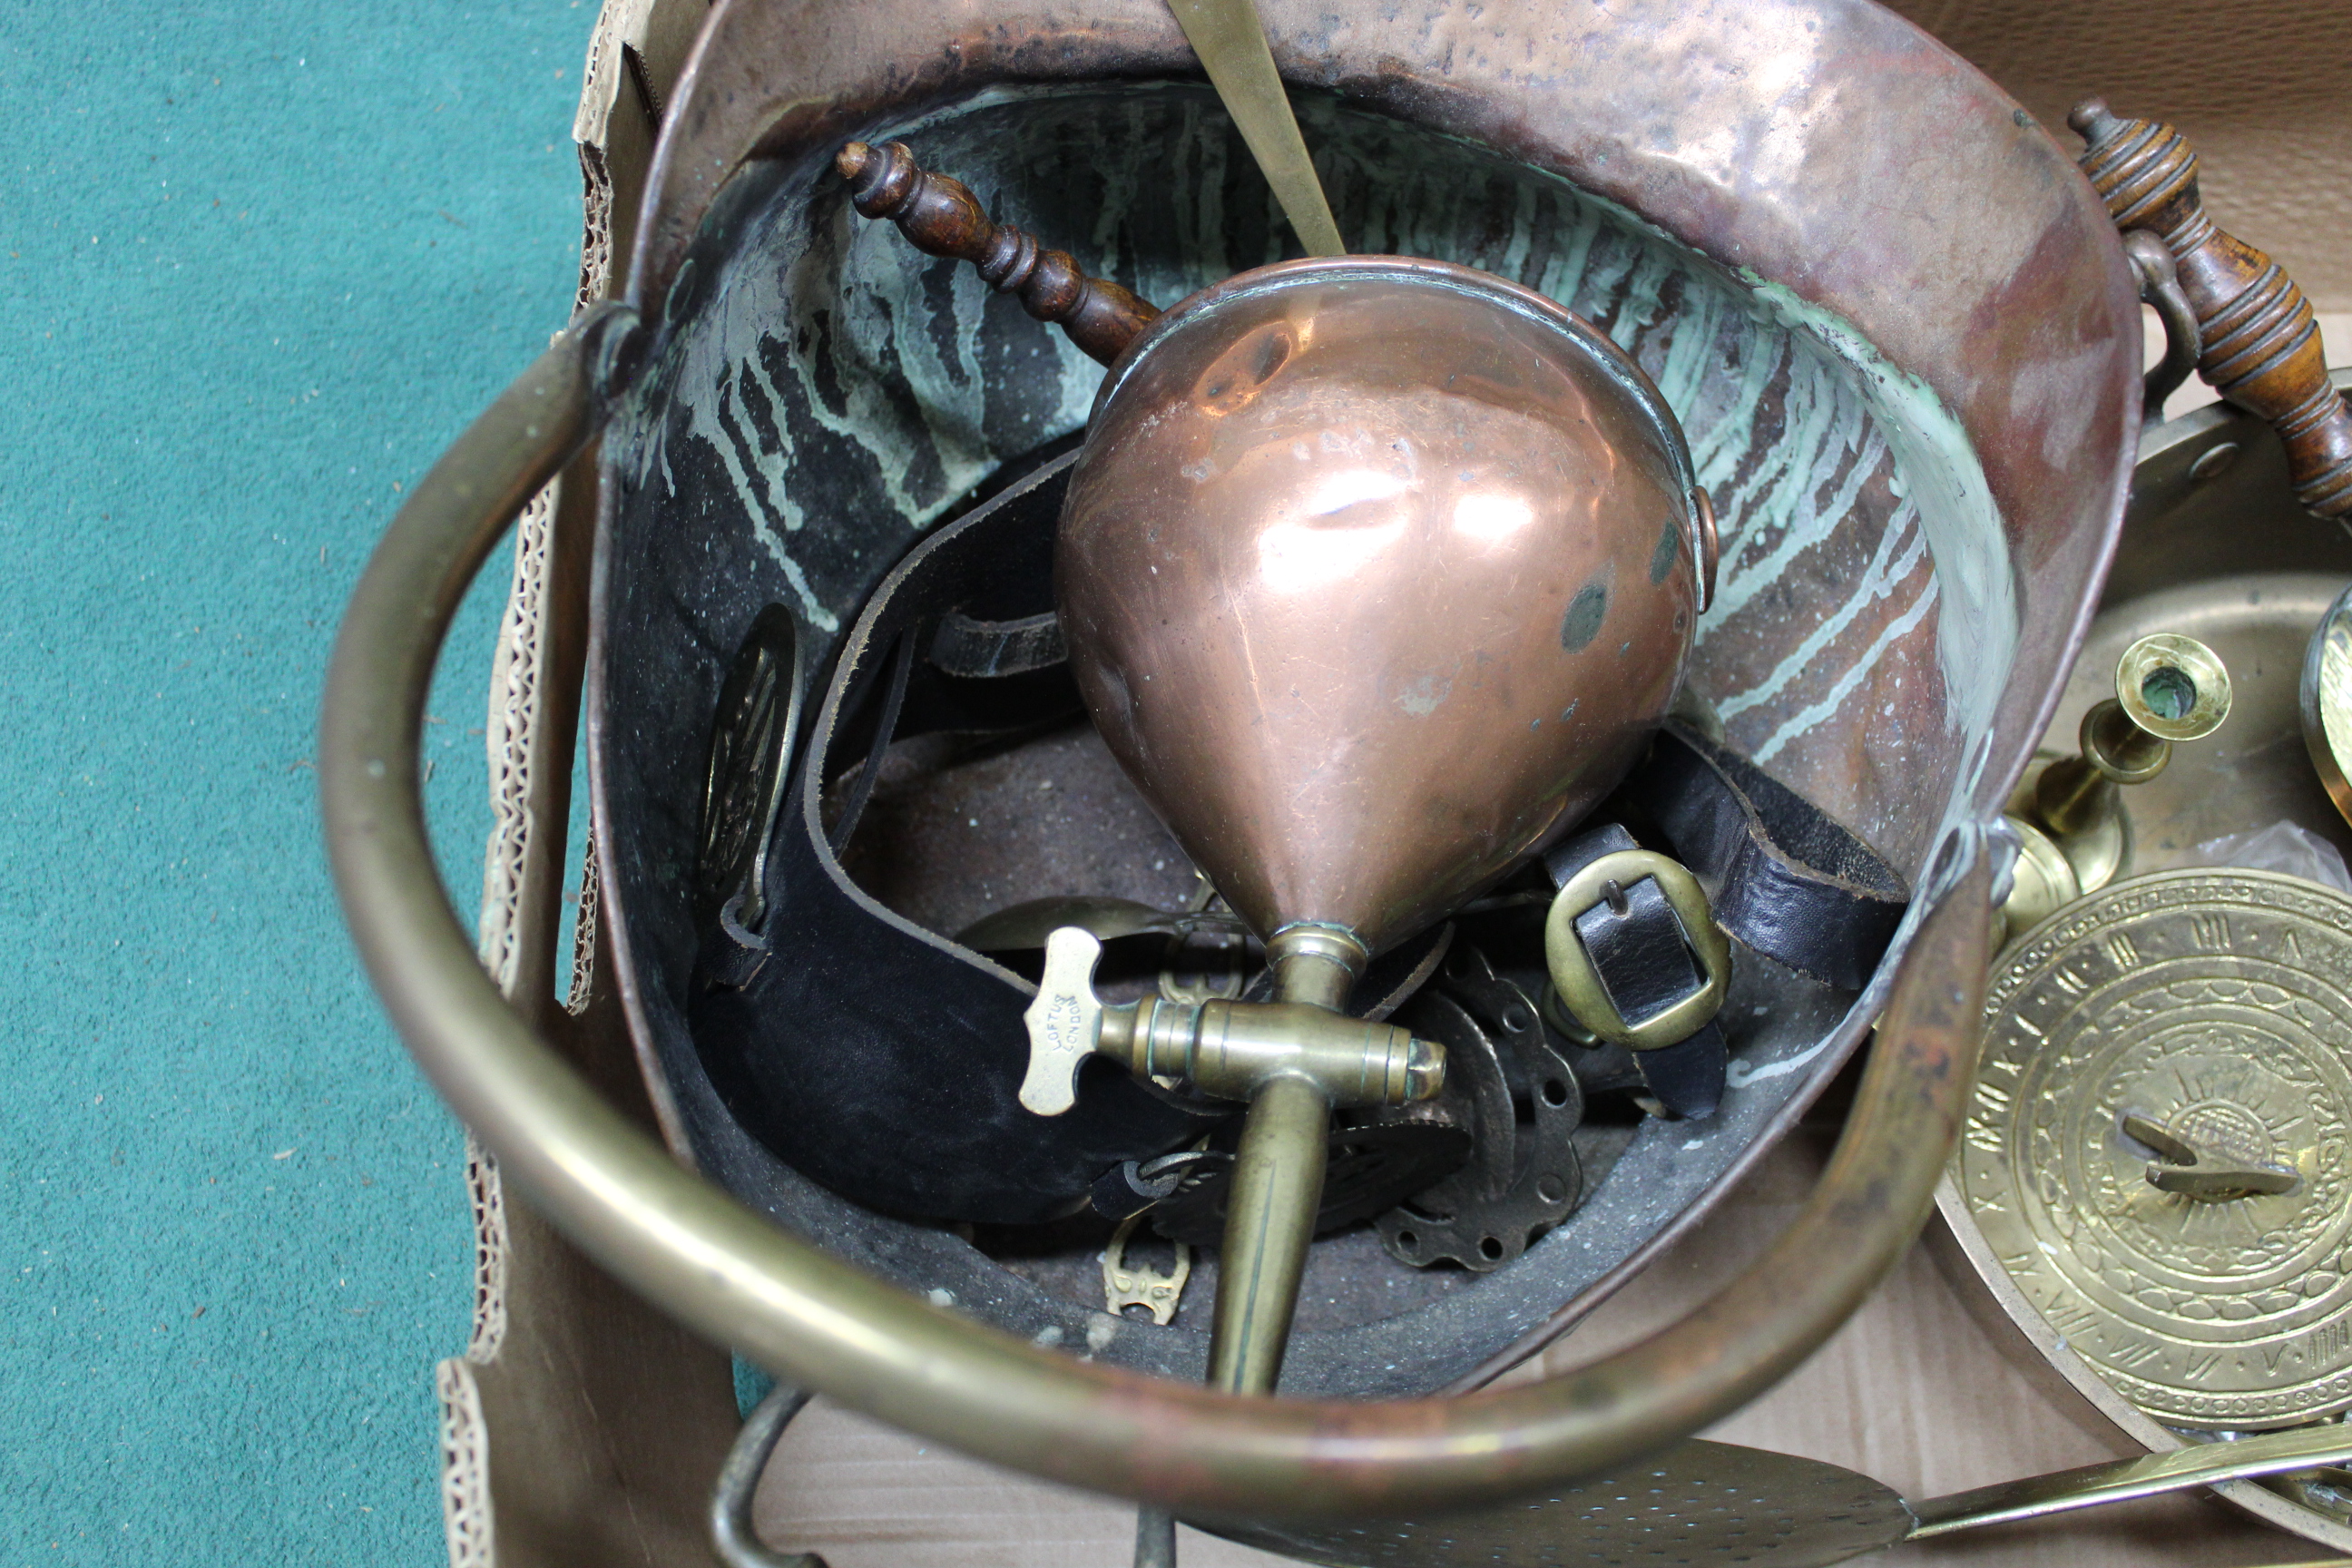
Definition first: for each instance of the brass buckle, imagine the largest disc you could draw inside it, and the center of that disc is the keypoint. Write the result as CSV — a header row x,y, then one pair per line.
x,y
1578,981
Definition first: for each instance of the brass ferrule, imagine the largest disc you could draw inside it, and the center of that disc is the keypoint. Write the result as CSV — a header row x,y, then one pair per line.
x,y
1229,1050
1315,963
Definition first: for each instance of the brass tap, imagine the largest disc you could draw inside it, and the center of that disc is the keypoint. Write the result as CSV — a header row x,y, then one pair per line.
x,y
1294,1061
1228,1049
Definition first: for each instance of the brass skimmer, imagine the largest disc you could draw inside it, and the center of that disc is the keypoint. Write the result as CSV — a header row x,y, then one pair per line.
x,y
1230,41
1702,1503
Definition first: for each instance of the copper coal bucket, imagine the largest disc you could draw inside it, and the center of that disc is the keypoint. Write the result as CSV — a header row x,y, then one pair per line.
x,y
1904,341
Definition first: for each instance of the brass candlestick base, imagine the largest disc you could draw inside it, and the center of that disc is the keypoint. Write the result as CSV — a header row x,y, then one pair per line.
x,y
2043,881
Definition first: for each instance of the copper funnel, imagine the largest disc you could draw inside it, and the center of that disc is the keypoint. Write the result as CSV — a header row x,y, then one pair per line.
x,y
1376,574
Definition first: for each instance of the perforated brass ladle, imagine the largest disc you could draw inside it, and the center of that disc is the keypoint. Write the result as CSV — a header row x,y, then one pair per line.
x,y
1701,1503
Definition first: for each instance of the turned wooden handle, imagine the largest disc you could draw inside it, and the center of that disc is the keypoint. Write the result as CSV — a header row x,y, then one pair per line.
x,y
941,217
2261,348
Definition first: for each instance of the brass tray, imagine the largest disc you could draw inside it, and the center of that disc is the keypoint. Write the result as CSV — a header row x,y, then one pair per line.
x,y
2213,546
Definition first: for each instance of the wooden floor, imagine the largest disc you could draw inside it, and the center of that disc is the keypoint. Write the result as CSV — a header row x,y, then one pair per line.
x,y
1914,1392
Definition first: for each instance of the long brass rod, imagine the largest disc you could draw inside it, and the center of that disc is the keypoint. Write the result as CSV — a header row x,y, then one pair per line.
x,y
2197,1465
1277,1181
1230,41
1276,1189
817,1321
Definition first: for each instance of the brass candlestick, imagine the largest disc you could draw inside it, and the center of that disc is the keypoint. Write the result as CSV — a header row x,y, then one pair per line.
x,y
2169,688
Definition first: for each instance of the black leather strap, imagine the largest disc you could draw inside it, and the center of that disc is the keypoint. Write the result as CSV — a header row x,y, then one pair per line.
x,y
1639,948
873,1056
902,668
1783,877
885,1061
731,954
965,647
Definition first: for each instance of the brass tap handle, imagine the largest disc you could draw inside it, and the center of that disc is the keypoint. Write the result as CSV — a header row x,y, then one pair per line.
x,y
1065,1021
2261,349
1229,1049
941,217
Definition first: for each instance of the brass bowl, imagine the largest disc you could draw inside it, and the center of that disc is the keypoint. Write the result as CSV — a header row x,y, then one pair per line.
x,y
2214,546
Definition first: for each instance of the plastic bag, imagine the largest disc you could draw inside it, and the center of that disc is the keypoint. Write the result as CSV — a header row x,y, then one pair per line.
x,y
2282,847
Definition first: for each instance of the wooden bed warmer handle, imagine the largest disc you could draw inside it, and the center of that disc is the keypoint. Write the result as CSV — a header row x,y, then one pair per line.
x,y
941,217
2260,347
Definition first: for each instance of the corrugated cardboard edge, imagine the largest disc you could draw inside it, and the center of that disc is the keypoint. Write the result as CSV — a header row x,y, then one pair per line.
x,y
580,1427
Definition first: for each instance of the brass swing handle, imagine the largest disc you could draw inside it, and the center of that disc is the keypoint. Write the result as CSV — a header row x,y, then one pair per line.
x,y
822,1322
2260,348
941,217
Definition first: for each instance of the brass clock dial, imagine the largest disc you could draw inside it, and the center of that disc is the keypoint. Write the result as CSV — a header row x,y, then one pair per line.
x,y
2156,1149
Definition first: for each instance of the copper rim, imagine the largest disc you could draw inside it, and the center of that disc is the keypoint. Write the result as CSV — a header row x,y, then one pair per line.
x,y
1593,343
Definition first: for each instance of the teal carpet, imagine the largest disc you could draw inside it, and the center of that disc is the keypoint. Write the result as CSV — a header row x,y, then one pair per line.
x,y
261,262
